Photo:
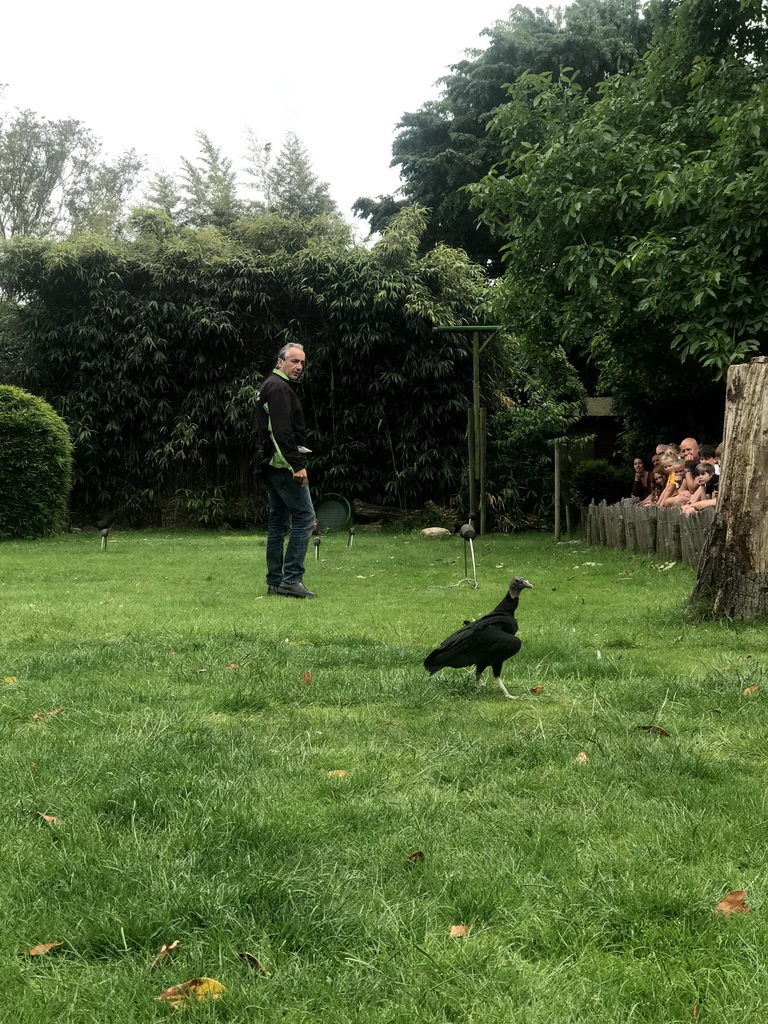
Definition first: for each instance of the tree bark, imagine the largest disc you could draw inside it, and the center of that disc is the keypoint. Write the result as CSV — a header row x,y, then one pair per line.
x,y
733,573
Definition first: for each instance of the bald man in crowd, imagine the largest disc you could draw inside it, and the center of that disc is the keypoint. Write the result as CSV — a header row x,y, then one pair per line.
x,y
689,449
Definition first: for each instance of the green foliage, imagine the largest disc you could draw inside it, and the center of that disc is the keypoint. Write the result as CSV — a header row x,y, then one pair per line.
x,y
541,404
445,144
270,232
150,224
596,479
53,180
35,466
636,223
154,353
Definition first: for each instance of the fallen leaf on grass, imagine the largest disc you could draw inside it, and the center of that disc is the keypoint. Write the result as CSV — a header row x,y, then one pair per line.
x,y
733,903
202,670
696,1011
750,691
417,857
459,931
654,728
234,665
537,689
198,988
43,947
47,818
253,962
164,951
9,679
45,714
306,679
171,649
338,772
581,758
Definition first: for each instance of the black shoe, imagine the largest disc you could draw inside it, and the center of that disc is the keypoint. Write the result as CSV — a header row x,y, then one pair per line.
x,y
272,590
293,590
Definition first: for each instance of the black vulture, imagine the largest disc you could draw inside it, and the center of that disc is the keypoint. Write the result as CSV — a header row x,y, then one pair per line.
x,y
487,641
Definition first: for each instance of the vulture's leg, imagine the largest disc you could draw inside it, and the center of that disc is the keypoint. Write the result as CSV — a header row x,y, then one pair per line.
x,y
479,683
502,687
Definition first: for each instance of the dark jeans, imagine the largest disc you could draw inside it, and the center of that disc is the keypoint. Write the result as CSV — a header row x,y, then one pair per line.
x,y
290,509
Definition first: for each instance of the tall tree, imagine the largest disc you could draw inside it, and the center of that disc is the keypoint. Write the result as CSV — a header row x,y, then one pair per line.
x,y
287,185
208,187
636,224
163,193
53,180
732,579
445,145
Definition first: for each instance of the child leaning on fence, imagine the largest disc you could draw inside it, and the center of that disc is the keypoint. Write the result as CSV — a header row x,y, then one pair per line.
x,y
705,495
676,492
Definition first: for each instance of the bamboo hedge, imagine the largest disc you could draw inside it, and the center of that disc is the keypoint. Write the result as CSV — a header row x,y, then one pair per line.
x,y
153,354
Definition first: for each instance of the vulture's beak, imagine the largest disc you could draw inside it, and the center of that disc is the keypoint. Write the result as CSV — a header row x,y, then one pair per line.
x,y
518,584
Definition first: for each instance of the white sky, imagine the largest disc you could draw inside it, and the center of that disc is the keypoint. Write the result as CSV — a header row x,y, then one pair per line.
x,y
338,73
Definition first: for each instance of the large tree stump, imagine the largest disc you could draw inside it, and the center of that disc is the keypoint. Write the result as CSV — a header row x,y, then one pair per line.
x,y
733,572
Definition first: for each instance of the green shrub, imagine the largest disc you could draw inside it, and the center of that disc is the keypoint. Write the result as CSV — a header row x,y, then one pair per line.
x,y
596,479
35,466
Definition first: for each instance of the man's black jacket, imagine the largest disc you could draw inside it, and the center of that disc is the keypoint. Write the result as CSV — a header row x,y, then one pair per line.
x,y
280,422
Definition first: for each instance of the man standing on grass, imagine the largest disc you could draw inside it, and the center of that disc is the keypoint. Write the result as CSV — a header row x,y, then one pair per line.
x,y
280,422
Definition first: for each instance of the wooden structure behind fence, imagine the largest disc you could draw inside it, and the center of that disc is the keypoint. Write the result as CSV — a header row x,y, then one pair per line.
x,y
666,532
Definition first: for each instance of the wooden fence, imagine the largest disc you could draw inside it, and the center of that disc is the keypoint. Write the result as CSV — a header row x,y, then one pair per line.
x,y
666,532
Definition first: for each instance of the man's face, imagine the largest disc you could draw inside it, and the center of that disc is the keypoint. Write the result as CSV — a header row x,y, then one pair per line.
x,y
689,449
293,364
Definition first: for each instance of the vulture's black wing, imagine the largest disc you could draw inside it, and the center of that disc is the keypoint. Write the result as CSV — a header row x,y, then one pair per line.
x,y
488,641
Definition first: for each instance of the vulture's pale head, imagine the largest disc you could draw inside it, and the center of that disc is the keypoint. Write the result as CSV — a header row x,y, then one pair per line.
x,y
518,584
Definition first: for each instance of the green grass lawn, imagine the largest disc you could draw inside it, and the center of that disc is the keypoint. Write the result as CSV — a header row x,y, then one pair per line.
x,y
188,770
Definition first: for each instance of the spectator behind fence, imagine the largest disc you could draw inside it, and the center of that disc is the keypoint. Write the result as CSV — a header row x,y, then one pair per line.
x,y
656,457
708,453
641,485
705,495
658,483
668,459
689,450
670,487
677,491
